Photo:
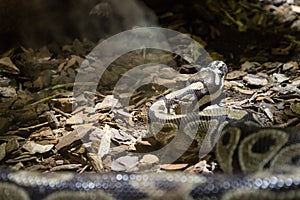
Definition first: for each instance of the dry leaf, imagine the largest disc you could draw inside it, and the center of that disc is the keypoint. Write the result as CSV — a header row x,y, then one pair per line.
x,y
123,137
291,66
295,107
8,92
96,162
2,151
75,119
149,159
12,145
33,147
249,66
200,167
125,163
64,104
66,167
108,102
73,136
243,91
268,110
255,80
104,146
280,77
43,54
235,74
295,8
7,66
173,166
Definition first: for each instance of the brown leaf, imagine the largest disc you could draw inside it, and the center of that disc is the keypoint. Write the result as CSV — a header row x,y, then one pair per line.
x,y
235,74
73,136
8,92
12,145
173,166
295,107
33,147
2,151
200,167
96,162
255,80
295,8
104,146
243,91
67,64
149,159
66,167
108,102
7,66
125,163
291,66
64,104
280,77
268,109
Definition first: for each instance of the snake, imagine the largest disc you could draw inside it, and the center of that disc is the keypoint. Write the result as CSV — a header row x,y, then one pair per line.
x,y
257,162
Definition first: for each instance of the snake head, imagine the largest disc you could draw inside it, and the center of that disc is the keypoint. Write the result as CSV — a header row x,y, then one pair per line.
x,y
219,67
209,81
211,76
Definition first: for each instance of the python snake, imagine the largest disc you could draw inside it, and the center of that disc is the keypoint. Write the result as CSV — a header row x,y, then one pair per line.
x,y
265,159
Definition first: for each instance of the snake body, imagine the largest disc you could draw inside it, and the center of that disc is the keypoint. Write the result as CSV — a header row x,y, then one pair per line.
x,y
270,156
271,184
184,113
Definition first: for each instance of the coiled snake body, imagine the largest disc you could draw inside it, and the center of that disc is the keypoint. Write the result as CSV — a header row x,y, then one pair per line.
x,y
265,159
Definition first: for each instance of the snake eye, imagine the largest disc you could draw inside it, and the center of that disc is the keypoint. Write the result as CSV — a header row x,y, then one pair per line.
x,y
224,68
220,65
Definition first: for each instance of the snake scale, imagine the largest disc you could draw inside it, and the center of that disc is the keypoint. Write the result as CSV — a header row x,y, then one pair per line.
x,y
264,159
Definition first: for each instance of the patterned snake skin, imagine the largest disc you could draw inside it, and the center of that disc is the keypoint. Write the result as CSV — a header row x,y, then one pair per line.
x,y
264,160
